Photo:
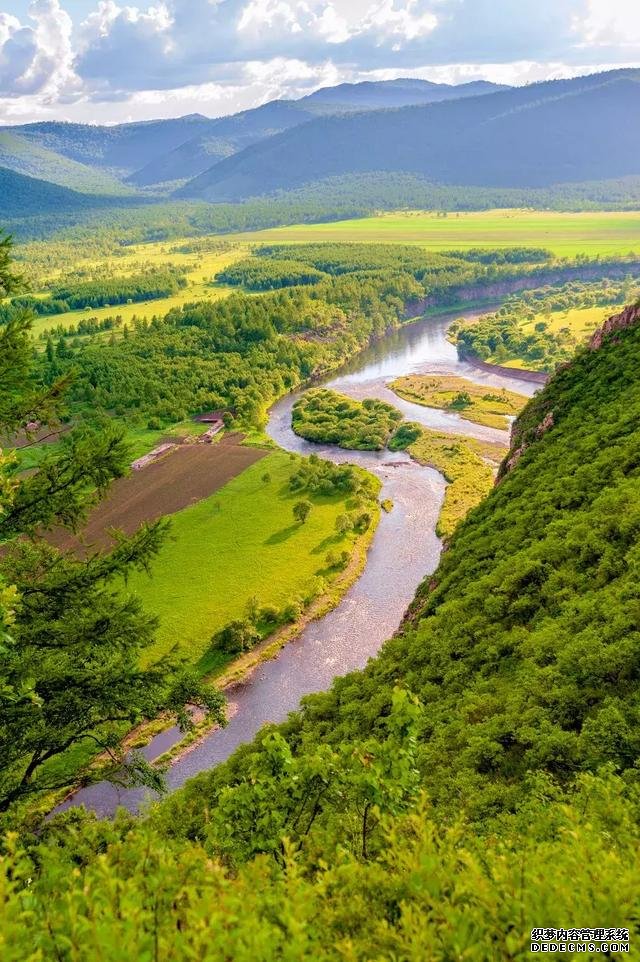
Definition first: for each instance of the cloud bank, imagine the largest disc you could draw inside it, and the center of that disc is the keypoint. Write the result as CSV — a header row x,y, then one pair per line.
x,y
118,62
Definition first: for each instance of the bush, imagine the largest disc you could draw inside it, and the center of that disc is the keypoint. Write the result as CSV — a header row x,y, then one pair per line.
x,y
407,433
236,637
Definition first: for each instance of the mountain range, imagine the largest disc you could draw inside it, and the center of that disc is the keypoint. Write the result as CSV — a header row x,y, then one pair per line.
x,y
476,134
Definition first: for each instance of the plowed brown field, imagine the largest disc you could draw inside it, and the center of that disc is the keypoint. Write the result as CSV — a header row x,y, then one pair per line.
x,y
187,475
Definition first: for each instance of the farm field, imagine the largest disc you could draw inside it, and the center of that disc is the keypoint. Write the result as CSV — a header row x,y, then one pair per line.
x,y
479,403
241,543
201,269
181,478
566,234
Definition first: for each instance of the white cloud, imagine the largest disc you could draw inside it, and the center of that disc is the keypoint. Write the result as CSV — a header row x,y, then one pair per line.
x,y
161,57
261,15
610,22
39,58
122,45
332,26
405,21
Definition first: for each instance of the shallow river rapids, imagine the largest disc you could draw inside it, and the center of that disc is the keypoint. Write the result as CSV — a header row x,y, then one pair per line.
x,y
404,550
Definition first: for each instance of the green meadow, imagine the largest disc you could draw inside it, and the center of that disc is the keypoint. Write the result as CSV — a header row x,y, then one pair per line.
x,y
566,234
239,544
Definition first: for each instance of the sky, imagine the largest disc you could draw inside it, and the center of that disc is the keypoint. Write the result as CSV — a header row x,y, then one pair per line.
x,y
97,61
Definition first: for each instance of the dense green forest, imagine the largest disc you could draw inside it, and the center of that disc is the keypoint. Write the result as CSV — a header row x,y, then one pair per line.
x,y
476,780
501,336
242,352
260,274
328,417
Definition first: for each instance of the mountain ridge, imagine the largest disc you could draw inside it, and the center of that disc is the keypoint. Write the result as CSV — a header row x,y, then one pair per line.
x,y
466,141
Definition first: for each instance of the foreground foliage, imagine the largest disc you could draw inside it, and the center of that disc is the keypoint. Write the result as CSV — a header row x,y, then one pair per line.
x,y
429,890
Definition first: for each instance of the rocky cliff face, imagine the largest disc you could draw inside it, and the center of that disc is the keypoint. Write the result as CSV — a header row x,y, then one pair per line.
x,y
626,318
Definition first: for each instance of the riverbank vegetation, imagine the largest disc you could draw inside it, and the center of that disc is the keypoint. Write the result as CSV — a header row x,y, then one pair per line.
x,y
327,417
469,467
480,403
540,329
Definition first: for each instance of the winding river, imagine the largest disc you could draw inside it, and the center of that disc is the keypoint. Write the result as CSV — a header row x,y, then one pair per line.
x,y
404,550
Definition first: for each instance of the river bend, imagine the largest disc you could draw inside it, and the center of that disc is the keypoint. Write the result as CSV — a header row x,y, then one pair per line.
x,y
404,550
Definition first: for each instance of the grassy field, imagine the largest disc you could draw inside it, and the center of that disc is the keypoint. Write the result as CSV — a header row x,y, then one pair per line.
x,y
202,268
573,326
239,544
566,234
468,466
578,322
480,403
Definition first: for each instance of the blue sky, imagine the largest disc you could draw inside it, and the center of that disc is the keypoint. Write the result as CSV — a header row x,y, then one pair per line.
x,y
107,61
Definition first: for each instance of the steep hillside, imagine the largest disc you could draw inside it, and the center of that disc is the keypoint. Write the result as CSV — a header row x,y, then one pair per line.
x,y
479,778
25,157
533,136
26,196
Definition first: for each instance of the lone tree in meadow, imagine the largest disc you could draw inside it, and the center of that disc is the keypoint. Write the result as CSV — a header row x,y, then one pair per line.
x,y
301,511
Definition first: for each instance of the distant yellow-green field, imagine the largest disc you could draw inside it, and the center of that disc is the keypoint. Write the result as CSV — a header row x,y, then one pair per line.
x,y
202,268
563,233
574,325
580,321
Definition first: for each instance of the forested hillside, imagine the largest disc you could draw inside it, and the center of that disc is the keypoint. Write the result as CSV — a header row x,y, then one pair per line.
x,y
122,147
478,778
20,154
25,196
497,140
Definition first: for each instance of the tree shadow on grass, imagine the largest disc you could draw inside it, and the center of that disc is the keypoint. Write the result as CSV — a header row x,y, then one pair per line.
x,y
328,542
283,535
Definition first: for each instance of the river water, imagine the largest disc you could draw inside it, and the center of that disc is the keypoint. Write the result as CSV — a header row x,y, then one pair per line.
x,y
404,550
